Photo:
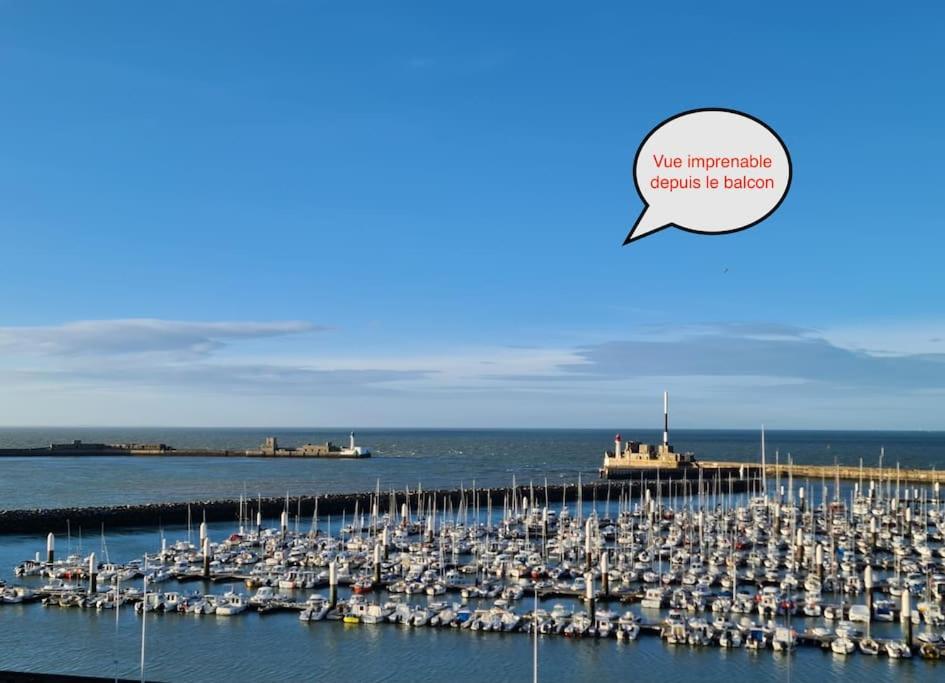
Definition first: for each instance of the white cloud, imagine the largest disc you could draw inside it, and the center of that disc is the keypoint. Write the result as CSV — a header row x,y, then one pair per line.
x,y
140,335
894,338
172,354
727,352
725,374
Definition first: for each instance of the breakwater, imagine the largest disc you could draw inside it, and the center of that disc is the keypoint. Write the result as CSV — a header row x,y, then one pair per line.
x,y
34,677
160,450
58,520
269,449
829,472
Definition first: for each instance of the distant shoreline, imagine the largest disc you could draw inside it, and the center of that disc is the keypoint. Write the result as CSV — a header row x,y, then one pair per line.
x,y
183,453
270,449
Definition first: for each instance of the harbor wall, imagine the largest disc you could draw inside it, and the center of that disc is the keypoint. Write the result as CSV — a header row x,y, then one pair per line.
x,y
845,472
58,520
123,452
35,677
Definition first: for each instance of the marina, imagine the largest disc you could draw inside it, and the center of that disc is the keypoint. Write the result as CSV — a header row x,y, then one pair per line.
x,y
334,337
689,572
855,572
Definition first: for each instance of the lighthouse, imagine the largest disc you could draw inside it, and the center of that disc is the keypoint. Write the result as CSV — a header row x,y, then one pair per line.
x,y
635,457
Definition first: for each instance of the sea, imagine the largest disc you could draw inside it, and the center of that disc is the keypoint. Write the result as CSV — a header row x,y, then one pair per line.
x,y
278,647
439,458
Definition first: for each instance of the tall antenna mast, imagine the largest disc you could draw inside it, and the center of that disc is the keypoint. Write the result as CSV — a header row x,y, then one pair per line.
x,y
666,418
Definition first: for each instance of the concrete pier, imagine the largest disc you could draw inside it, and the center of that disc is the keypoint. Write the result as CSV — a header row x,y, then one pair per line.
x,y
829,472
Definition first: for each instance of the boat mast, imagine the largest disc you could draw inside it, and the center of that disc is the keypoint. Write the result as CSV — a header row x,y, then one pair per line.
x,y
535,647
144,620
764,471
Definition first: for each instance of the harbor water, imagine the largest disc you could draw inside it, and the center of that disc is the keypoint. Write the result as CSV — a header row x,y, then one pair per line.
x,y
277,646
280,648
435,458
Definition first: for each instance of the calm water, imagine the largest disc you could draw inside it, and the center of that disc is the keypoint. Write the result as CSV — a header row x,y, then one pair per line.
x,y
437,458
278,647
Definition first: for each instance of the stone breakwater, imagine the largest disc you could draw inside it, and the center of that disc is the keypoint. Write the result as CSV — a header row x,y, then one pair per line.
x,y
57,520
845,472
33,677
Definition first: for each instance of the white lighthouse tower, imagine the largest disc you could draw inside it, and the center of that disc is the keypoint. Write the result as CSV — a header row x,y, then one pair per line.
x,y
354,450
617,444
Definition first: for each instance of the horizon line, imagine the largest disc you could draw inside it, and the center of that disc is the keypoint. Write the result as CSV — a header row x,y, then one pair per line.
x,y
767,428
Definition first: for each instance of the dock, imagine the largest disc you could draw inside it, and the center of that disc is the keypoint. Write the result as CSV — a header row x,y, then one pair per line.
x,y
831,472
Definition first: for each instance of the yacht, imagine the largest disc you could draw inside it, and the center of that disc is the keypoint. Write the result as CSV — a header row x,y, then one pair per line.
x,y
653,598
232,603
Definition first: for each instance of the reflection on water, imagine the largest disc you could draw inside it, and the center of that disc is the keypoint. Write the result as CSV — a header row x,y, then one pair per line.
x,y
278,647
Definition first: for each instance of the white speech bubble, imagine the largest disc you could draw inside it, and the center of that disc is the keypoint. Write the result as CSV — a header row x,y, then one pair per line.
x,y
709,171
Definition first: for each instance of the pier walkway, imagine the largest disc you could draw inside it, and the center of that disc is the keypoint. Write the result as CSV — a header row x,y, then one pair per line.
x,y
829,472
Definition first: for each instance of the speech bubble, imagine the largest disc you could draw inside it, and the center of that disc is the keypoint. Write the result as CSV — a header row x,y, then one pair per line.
x,y
709,171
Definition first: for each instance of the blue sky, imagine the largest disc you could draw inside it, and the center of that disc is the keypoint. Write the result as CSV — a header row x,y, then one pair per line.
x,y
411,214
